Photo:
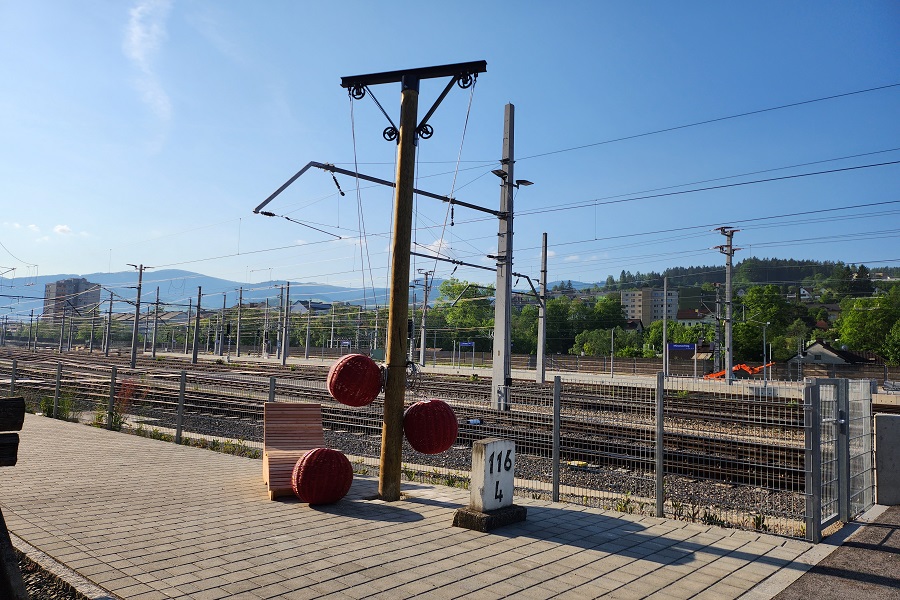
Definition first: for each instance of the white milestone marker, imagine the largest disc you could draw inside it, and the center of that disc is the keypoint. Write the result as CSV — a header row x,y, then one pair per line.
x,y
493,470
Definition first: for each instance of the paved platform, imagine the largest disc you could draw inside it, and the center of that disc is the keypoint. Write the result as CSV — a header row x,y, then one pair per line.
x,y
145,519
865,567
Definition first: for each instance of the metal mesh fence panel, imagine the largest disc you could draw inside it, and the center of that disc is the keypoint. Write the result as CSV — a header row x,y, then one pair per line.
x,y
608,440
734,454
862,484
55,388
219,411
829,427
529,422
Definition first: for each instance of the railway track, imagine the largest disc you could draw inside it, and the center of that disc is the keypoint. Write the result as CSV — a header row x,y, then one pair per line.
x,y
596,429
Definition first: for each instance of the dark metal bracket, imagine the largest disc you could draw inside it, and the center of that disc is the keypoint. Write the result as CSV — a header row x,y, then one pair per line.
x,y
462,74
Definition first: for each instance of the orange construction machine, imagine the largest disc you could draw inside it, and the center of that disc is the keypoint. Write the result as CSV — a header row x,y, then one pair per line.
x,y
740,371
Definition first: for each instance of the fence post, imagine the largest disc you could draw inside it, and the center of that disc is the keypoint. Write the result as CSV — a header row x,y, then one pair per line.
x,y
110,408
659,453
56,389
272,389
812,426
843,449
557,402
179,415
12,379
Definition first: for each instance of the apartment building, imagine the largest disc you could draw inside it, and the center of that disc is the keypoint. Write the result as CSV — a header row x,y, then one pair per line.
x,y
650,304
75,296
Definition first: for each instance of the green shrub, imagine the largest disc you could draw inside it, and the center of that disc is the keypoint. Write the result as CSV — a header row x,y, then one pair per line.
x,y
759,522
625,505
65,407
710,518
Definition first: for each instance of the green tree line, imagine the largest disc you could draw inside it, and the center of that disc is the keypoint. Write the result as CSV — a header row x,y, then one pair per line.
x,y
463,312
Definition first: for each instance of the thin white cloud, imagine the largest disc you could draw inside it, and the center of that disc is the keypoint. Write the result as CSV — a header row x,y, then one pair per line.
x,y
34,228
551,253
572,258
144,35
208,25
438,246
62,230
13,225
44,238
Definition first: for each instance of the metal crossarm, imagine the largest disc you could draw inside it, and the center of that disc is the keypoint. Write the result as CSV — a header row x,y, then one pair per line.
x,y
452,70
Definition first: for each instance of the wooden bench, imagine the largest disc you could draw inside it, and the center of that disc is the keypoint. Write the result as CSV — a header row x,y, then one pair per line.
x,y
289,431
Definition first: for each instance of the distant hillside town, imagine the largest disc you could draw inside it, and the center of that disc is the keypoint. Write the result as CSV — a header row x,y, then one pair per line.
x,y
845,313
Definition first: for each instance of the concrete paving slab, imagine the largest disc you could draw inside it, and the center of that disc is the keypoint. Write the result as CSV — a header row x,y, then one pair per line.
x,y
145,519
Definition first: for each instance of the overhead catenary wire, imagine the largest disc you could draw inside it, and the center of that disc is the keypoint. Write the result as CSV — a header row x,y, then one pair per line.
x,y
583,203
462,141
714,120
608,141
612,237
363,239
590,203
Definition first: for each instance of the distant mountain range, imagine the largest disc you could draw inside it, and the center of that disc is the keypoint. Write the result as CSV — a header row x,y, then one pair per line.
x,y
578,285
177,288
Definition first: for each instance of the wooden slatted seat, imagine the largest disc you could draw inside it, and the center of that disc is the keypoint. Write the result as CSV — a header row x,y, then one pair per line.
x,y
289,431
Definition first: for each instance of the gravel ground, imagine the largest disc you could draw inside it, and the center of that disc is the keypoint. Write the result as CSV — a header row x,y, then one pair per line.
x,y
715,503
611,486
42,585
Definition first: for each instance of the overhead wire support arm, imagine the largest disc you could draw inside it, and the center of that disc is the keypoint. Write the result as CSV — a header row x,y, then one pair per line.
x,y
334,169
530,283
454,261
305,225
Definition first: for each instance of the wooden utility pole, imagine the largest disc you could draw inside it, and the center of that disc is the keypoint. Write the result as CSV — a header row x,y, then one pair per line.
x,y
398,312
409,130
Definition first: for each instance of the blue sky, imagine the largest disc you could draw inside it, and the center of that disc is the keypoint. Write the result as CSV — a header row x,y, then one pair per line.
x,y
147,131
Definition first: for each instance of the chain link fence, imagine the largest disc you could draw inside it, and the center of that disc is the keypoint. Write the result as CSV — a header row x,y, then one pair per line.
x,y
782,457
